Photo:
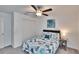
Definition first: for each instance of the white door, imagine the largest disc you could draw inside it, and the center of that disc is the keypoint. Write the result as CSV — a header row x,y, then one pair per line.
x,y
1,33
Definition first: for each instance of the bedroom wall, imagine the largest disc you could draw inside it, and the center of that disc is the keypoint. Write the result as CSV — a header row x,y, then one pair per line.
x,y
69,22
78,26
7,28
64,22
24,28
42,24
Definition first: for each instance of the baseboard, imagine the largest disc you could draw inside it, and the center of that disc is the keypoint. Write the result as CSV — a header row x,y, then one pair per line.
x,y
73,49
8,46
16,46
5,46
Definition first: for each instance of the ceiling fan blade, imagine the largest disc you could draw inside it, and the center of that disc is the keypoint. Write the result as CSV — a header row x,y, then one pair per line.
x,y
44,14
50,9
34,7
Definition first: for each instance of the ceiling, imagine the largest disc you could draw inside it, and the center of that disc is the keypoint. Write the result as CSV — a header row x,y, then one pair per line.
x,y
57,9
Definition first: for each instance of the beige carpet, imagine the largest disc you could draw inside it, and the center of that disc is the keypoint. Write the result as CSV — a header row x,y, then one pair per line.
x,y
67,51
10,50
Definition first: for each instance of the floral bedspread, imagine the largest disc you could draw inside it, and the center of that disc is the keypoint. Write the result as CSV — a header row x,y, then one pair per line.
x,y
40,46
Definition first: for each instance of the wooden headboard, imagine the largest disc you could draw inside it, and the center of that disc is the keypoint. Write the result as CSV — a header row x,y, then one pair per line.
x,y
53,31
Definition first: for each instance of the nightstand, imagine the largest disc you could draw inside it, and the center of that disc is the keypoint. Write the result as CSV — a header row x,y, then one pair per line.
x,y
63,44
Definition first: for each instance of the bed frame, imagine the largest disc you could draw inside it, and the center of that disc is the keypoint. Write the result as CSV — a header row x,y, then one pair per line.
x,y
54,31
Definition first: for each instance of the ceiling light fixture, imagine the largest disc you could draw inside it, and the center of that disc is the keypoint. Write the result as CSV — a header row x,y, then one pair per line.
x,y
38,13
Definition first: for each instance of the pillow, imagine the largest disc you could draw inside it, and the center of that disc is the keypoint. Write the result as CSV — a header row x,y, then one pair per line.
x,y
48,36
55,36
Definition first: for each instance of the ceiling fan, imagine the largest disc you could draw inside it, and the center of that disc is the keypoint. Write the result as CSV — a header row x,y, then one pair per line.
x,y
40,12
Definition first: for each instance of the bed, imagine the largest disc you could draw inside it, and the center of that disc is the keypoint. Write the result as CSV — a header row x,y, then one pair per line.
x,y
47,43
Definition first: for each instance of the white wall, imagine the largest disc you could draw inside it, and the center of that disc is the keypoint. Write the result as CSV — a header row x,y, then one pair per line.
x,y
69,23
42,24
24,28
7,28
78,27
64,22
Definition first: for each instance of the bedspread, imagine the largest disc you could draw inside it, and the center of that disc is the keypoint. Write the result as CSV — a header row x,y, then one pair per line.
x,y
40,46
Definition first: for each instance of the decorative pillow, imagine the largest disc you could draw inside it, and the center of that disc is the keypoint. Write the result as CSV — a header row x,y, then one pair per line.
x,y
47,35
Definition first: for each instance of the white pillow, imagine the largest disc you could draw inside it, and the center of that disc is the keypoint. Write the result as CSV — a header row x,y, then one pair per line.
x,y
55,36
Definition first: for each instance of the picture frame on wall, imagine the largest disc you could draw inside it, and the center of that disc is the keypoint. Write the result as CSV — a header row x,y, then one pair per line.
x,y
51,23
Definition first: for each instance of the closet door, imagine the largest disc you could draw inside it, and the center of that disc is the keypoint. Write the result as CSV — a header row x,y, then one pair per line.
x,y
1,33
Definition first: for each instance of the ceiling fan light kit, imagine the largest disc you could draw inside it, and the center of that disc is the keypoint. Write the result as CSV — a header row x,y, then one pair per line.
x,y
40,12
